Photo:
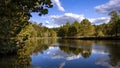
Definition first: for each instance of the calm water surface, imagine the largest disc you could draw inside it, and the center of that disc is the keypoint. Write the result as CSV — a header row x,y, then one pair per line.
x,y
59,53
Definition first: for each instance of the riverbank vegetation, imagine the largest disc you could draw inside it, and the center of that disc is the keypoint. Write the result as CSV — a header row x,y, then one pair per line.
x,y
15,27
86,30
15,17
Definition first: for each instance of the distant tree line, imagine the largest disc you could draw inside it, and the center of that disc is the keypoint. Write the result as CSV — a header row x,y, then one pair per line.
x,y
85,28
43,31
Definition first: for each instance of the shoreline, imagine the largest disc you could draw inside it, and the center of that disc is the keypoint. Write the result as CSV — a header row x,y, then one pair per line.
x,y
92,38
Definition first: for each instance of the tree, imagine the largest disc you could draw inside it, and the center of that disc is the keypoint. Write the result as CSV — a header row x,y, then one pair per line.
x,y
86,28
14,14
77,25
115,22
26,33
66,28
14,21
53,33
26,6
72,30
61,32
38,28
100,30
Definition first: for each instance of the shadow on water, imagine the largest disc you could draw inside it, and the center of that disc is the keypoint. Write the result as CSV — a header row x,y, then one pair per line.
x,y
22,57
8,46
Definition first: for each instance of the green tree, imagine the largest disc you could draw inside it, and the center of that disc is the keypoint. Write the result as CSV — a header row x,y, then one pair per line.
x,y
61,32
115,22
66,28
26,33
14,15
72,31
53,33
100,30
76,25
43,31
86,28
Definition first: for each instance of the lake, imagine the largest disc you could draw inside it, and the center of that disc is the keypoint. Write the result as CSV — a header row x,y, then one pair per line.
x,y
61,53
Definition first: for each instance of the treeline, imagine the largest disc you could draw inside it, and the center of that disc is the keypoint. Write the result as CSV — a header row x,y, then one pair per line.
x,y
43,31
86,29
35,30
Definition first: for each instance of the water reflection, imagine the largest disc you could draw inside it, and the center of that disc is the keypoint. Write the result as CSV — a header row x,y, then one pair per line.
x,y
114,55
7,46
78,53
57,53
32,46
77,47
85,52
113,60
22,59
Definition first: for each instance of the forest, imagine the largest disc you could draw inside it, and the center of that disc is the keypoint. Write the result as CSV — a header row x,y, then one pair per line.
x,y
86,29
15,27
15,24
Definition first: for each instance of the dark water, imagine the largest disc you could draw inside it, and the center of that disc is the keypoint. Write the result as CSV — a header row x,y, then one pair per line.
x,y
59,53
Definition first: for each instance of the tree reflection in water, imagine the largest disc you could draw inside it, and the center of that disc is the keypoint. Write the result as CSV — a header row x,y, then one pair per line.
x,y
32,46
77,47
85,52
8,46
72,48
114,54
85,49
21,58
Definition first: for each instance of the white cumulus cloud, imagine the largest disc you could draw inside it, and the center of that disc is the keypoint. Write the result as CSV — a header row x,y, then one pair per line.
x,y
71,17
67,17
58,3
108,7
99,20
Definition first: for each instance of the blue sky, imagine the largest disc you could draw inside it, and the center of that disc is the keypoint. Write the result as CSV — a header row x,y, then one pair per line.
x,y
70,10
